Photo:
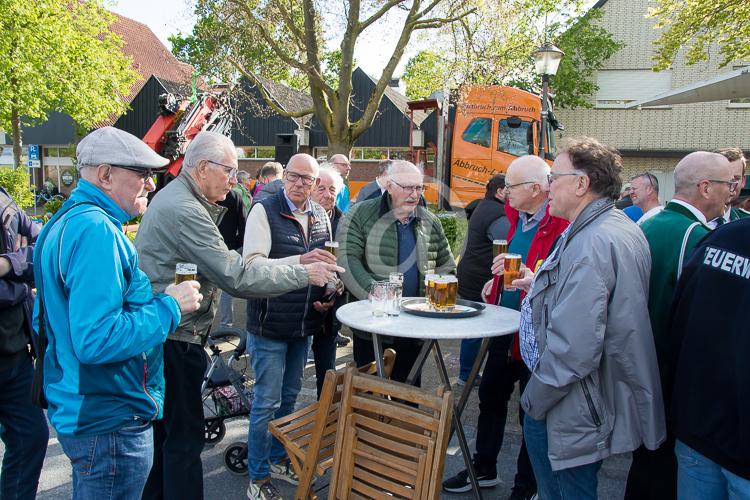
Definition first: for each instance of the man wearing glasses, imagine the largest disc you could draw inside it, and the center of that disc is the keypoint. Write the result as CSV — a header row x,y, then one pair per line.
x,y
737,163
703,186
341,163
644,192
287,228
180,226
393,233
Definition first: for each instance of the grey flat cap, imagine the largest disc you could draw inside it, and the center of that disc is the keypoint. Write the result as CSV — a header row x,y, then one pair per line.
x,y
117,147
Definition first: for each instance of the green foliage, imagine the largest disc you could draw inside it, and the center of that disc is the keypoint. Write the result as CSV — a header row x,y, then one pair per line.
x,y
60,56
16,182
696,25
52,206
454,228
495,45
424,74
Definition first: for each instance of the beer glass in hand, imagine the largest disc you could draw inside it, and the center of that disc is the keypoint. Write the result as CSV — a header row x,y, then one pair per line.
x,y
184,271
512,265
331,247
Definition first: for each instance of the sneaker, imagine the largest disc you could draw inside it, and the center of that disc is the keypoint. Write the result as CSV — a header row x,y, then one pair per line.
x,y
284,472
342,340
521,494
460,482
263,491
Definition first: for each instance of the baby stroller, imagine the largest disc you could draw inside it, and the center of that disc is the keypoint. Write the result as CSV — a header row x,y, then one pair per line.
x,y
226,389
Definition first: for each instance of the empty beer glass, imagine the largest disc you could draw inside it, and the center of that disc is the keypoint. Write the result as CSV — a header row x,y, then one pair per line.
x,y
184,271
379,298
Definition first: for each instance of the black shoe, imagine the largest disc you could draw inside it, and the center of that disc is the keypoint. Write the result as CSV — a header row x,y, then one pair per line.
x,y
460,482
342,341
521,494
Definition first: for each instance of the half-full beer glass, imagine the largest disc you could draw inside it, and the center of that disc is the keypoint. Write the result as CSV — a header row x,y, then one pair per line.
x,y
185,271
331,247
512,264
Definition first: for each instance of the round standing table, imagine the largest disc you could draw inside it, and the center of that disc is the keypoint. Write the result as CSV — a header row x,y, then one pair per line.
x,y
494,321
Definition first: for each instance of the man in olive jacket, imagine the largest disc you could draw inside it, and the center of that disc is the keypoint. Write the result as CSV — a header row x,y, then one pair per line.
x,y
702,189
392,234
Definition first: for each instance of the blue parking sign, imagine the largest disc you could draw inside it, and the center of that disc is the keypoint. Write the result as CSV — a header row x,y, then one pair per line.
x,y
33,151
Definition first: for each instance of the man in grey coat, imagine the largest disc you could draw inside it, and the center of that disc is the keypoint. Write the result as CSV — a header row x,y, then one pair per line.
x,y
585,332
181,226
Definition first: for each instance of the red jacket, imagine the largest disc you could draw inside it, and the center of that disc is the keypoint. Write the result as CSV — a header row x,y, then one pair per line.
x,y
549,229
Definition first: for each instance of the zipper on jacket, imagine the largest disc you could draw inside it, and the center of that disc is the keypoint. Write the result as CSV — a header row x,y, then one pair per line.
x,y
145,375
307,249
590,402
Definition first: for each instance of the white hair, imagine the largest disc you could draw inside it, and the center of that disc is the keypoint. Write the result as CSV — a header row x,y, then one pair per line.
x,y
211,146
403,166
532,169
338,181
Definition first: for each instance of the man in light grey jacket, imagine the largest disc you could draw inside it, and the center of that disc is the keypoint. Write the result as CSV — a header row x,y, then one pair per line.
x,y
585,332
180,226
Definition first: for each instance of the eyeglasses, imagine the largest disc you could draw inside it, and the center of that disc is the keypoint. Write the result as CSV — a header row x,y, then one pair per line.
x,y
293,177
230,171
409,189
144,174
508,187
551,177
732,184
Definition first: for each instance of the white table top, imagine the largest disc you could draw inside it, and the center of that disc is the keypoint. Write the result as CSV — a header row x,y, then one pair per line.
x,y
492,322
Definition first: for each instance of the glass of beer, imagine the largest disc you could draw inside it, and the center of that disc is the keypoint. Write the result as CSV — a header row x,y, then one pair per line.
x,y
184,271
440,293
429,287
331,247
512,264
451,293
498,247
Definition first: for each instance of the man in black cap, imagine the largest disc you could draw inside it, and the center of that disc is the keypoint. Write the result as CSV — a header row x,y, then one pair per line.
x,y
103,366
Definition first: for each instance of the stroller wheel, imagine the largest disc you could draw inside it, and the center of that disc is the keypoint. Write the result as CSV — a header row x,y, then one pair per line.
x,y
235,458
214,431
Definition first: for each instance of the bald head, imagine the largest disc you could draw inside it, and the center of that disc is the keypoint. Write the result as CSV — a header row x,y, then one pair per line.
x,y
341,163
696,167
529,168
302,162
703,180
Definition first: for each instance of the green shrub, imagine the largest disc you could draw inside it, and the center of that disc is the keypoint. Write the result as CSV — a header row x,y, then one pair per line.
x,y
454,227
16,182
52,206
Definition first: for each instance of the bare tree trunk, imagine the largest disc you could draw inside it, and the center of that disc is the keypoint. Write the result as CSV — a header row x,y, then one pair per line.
x,y
339,145
15,121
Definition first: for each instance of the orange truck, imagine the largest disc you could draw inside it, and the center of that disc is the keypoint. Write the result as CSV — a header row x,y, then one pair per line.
x,y
493,125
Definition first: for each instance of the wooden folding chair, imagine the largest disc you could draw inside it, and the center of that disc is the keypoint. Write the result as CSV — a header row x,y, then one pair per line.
x,y
385,447
309,434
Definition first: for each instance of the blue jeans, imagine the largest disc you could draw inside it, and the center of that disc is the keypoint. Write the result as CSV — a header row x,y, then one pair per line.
x,y
576,483
699,478
468,353
226,309
278,367
112,466
24,431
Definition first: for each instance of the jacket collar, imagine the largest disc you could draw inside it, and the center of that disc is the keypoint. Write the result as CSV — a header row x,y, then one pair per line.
x,y
681,209
217,211
87,191
591,212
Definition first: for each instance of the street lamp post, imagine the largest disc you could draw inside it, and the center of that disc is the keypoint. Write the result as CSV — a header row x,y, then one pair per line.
x,y
546,60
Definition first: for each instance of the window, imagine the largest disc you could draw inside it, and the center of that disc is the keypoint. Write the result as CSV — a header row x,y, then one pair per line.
x,y
515,137
743,102
478,132
617,88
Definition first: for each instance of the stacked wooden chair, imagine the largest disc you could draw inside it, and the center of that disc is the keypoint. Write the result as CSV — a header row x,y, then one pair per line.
x,y
309,434
391,440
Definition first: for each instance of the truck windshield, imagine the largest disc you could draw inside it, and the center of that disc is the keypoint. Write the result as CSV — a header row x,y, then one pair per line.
x,y
514,138
479,132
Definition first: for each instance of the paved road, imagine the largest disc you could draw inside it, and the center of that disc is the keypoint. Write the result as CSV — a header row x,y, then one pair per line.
x,y
219,484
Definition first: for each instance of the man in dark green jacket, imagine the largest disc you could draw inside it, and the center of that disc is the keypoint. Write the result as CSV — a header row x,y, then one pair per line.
x,y
392,233
703,184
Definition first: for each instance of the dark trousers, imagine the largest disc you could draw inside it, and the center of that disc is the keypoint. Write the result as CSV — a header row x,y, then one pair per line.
x,y
653,474
498,381
407,351
324,352
24,431
177,473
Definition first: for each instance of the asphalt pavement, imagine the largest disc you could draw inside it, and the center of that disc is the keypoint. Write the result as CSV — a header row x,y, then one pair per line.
x,y
220,484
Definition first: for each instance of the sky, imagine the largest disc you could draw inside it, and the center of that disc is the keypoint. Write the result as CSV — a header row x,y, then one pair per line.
x,y
168,17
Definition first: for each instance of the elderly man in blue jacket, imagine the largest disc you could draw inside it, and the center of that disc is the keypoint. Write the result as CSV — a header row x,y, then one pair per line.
x,y
103,375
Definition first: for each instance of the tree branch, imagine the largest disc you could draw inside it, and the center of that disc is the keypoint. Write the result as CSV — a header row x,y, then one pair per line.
x,y
437,22
266,95
380,13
